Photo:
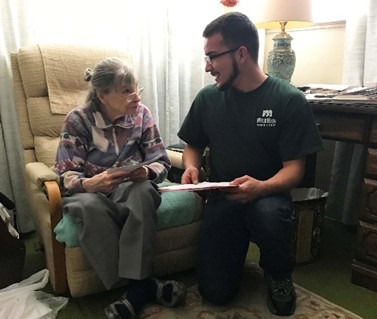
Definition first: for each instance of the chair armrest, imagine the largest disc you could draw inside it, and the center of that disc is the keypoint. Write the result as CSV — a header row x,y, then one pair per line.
x,y
177,163
47,181
176,159
38,173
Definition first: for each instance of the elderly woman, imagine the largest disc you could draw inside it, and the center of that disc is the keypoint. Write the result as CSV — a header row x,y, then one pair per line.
x,y
114,207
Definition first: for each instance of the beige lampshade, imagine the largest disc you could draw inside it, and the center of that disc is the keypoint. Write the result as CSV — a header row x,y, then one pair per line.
x,y
298,14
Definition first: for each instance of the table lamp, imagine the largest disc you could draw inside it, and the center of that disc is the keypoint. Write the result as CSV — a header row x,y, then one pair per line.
x,y
283,14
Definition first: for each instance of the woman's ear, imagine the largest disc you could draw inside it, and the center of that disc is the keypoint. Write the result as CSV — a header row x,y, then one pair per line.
x,y
101,96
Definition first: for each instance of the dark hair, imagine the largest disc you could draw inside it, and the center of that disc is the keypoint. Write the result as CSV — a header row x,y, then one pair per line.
x,y
110,74
237,30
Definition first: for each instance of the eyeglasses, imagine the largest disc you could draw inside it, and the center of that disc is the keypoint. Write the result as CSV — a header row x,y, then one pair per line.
x,y
131,96
209,58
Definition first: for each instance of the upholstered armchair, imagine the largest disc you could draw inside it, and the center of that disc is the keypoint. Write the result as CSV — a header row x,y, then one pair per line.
x,y
48,83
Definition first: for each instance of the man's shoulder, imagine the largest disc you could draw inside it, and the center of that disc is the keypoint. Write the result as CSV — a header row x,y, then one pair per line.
x,y
284,86
208,95
285,92
209,89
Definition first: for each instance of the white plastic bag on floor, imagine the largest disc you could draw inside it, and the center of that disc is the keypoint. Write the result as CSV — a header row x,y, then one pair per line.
x,y
23,301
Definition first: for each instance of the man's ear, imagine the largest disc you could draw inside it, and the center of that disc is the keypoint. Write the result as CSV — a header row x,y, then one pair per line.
x,y
243,54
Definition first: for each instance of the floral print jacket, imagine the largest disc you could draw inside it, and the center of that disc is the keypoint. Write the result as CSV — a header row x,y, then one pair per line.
x,y
90,144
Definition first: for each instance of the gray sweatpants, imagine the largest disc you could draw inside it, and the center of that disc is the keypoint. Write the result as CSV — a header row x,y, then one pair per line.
x,y
117,232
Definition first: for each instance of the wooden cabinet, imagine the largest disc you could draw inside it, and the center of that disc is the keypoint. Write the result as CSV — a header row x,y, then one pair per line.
x,y
373,133
368,210
364,265
357,124
342,127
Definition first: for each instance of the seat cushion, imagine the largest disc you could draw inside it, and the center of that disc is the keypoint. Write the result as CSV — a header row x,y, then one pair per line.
x,y
176,209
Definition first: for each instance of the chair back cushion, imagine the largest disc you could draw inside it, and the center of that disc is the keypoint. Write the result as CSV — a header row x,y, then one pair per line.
x,y
48,83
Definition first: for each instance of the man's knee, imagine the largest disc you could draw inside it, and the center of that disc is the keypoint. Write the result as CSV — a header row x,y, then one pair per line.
x,y
215,293
270,211
215,297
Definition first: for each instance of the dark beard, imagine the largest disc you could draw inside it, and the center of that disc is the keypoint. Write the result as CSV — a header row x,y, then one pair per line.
x,y
229,83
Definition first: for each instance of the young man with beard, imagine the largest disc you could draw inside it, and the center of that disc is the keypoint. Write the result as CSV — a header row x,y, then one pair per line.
x,y
259,130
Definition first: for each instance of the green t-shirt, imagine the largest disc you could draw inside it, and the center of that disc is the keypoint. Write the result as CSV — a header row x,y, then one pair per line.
x,y
251,133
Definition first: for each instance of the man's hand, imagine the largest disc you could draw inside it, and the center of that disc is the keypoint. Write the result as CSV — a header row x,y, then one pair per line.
x,y
248,189
192,160
284,180
190,176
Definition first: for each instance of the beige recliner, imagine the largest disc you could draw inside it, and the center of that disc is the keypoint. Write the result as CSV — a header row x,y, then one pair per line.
x,y
48,82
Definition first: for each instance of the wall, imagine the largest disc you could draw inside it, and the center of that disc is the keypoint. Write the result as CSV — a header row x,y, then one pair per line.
x,y
319,53
319,59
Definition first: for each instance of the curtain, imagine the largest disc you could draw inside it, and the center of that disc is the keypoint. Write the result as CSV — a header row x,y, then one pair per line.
x,y
360,69
13,34
164,37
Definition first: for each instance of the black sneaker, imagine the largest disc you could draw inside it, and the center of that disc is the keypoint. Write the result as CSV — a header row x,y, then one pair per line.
x,y
281,296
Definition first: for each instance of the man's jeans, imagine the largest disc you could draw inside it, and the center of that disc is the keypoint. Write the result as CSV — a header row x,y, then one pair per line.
x,y
227,229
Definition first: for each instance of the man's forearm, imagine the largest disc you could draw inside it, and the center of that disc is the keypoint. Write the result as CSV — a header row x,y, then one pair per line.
x,y
192,157
287,178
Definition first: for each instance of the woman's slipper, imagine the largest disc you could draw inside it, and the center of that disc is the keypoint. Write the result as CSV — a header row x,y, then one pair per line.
x,y
117,309
178,293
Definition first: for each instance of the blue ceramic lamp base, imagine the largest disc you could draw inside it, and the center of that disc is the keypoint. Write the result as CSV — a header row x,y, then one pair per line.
x,y
282,59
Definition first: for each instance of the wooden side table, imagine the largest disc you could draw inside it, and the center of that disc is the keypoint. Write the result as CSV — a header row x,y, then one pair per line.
x,y
357,123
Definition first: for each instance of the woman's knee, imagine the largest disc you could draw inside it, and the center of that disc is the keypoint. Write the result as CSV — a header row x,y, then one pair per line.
x,y
82,200
146,188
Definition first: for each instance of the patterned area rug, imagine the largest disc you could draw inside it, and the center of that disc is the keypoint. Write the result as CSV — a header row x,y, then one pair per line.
x,y
250,304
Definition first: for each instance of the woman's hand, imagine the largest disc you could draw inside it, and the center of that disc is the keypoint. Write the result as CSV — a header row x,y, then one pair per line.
x,y
105,182
139,175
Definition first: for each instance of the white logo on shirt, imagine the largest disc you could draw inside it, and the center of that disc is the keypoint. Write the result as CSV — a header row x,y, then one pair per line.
x,y
266,119
267,113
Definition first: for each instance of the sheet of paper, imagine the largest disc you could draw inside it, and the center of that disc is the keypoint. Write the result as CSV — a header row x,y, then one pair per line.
x,y
132,166
334,87
197,187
